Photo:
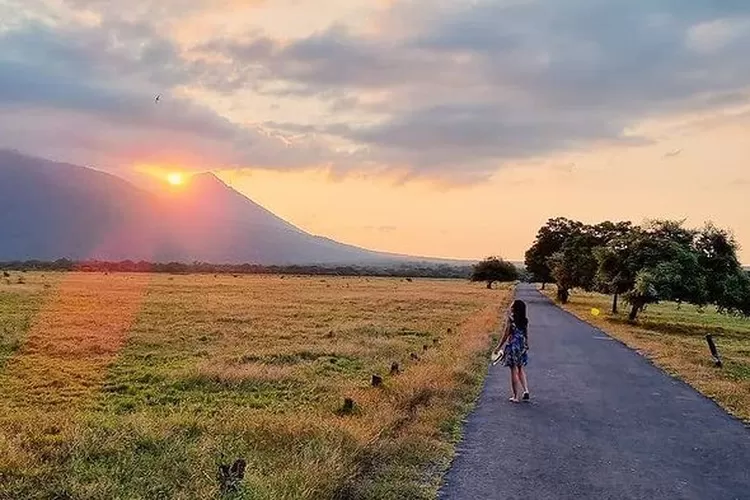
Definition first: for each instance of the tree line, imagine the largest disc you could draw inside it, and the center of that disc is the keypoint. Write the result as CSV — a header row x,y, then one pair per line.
x,y
661,260
405,270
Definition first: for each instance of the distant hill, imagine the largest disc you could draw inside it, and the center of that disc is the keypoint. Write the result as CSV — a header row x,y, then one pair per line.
x,y
51,210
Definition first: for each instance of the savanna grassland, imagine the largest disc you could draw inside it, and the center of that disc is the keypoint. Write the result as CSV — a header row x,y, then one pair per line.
x,y
141,385
672,336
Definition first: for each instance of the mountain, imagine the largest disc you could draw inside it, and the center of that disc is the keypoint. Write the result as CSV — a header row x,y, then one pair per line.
x,y
51,210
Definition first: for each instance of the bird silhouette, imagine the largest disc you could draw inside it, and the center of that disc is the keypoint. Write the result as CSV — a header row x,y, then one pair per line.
x,y
157,98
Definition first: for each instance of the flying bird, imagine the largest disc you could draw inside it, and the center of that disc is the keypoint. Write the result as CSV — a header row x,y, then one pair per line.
x,y
672,153
157,98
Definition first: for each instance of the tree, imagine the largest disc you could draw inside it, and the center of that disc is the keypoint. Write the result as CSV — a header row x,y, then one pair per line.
x,y
658,262
735,294
549,240
643,292
575,265
717,254
612,275
494,269
616,265
679,279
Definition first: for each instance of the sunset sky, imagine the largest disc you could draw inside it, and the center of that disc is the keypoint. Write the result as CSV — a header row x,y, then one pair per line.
x,y
448,128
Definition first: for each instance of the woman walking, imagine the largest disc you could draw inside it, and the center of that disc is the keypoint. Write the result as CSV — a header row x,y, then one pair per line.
x,y
515,352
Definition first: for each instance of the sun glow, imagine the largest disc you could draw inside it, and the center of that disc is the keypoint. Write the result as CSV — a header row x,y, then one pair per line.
x,y
175,178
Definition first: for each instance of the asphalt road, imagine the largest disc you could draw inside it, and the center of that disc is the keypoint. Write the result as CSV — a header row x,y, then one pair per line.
x,y
603,423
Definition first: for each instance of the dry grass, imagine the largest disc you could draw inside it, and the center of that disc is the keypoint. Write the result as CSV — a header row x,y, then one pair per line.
x,y
673,338
72,339
138,386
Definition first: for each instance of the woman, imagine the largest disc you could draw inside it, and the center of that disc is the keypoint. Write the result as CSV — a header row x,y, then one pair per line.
x,y
515,351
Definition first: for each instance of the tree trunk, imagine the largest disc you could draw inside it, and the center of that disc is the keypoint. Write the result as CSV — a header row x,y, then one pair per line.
x,y
633,312
544,284
489,285
614,304
562,295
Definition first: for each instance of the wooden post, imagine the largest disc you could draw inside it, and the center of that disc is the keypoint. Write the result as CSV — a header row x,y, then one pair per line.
x,y
347,408
348,405
714,351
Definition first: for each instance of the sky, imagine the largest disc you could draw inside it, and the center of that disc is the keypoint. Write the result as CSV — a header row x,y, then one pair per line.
x,y
446,128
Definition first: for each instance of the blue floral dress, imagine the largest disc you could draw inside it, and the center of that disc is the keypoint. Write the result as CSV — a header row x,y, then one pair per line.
x,y
515,352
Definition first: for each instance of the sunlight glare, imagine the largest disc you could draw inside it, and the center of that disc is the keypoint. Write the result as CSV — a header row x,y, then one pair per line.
x,y
175,178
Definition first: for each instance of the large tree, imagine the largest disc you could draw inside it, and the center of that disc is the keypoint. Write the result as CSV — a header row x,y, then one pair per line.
x,y
656,262
575,265
736,294
494,269
616,271
717,254
549,240
679,279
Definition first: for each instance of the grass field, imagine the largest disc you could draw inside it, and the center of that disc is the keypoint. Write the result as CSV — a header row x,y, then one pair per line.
x,y
140,386
673,337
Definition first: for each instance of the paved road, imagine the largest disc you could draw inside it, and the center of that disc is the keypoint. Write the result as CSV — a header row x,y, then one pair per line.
x,y
603,424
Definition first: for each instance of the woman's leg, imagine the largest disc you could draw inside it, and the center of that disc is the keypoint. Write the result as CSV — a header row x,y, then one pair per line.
x,y
522,379
513,382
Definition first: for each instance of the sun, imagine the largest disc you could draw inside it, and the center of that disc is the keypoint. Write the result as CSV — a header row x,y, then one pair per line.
x,y
175,178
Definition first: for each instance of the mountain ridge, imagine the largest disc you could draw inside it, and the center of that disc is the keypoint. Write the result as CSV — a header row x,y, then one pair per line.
x,y
51,210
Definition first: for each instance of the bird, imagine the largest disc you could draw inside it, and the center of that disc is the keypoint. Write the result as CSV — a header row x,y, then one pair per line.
x,y
157,98
673,153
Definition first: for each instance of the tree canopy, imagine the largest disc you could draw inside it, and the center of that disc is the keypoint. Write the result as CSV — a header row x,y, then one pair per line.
x,y
549,240
660,260
494,269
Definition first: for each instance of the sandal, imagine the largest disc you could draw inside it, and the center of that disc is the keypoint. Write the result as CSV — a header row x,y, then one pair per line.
x,y
513,399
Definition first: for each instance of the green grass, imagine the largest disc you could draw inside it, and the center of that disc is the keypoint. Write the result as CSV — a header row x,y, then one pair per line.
x,y
673,337
139,386
18,305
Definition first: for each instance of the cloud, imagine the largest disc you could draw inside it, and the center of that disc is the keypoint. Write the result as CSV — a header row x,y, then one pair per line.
x,y
441,88
502,81
103,80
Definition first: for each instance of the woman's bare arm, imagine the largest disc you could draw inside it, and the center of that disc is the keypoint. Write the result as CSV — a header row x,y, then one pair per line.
x,y
527,337
506,334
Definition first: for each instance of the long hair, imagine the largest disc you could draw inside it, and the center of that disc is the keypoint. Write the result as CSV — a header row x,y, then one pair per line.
x,y
518,314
